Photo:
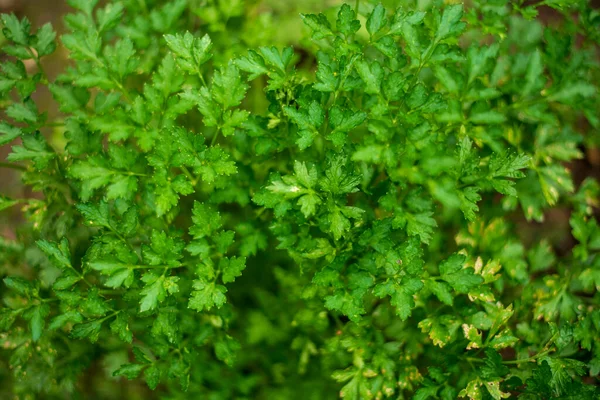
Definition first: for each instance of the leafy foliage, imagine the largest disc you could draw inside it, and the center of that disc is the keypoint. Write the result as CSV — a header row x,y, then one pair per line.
x,y
221,215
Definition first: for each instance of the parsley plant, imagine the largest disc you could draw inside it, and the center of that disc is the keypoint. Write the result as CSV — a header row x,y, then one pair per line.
x,y
374,212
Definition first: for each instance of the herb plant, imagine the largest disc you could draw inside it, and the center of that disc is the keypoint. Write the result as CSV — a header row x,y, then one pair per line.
x,y
369,213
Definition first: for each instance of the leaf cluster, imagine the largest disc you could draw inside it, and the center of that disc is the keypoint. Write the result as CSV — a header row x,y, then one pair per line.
x,y
222,211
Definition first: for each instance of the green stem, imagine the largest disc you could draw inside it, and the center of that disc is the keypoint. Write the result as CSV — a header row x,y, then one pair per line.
x,y
189,175
54,124
111,291
81,276
136,174
122,238
338,322
118,84
214,138
201,78
166,267
422,63
511,362
48,300
123,90
109,316
532,358
12,166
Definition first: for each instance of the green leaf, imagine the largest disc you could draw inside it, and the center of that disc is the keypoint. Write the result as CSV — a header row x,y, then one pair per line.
x,y
441,330
65,281
37,320
45,40
376,20
343,121
474,390
473,335
404,23
420,224
70,99
5,202
120,327
130,371
493,367
165,325
205,220
478,58
58,254
450,24
402,297
6,85
34,148
372,76
228,88
442,291
19,285
164,250
152,376
253,64
469,197
109,16
534,78
554,179
402,290
190,51
461,279
572,92
273,58
308,204
232,268
507,166
345,303
319,25
346,21
22,113
95,214
327,79
63,319
539,382
156,289
122,277
84,5
337,180
226,349
15,30
207,295
90,330
490,117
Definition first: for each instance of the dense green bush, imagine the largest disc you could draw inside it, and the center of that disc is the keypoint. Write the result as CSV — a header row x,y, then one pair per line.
x,y
383,210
